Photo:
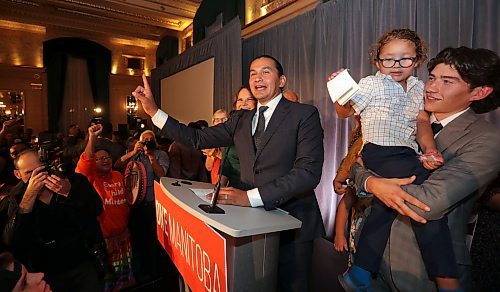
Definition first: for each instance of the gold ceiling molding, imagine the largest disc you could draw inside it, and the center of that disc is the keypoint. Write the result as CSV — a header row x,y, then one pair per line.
x,y
171,22
22,26
144,19
135,42
25,2
107,18
186,8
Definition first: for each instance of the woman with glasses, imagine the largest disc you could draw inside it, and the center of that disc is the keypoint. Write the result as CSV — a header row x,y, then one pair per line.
x,y
244,100
214,155
395,127
96,164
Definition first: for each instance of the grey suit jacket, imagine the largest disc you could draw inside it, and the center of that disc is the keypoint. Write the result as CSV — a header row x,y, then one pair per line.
x,y
470,149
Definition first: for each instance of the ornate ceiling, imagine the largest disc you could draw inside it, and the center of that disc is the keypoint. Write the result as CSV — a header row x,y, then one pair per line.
x,y
147,19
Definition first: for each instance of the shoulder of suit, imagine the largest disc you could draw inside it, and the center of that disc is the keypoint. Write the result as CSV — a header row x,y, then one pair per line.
x,y
308,108
483,127
242,113
297,105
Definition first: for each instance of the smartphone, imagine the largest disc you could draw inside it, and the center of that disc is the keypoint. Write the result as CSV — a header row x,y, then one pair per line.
x,y
96,120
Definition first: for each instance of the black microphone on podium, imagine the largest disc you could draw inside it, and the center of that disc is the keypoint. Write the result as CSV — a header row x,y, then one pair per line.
x,y
212,208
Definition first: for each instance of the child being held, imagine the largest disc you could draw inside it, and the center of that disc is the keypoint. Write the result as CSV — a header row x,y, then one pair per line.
x,y
393,119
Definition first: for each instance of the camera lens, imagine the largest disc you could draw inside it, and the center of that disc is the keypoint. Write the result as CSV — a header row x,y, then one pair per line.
x,y
151,145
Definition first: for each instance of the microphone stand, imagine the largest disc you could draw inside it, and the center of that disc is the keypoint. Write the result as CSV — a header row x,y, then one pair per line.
x,y
212,208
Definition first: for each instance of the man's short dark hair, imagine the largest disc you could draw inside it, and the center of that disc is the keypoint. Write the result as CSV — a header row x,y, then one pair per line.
x,y
477,67
6,258
276,63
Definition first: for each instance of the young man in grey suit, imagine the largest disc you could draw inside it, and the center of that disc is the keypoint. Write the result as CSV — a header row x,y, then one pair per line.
x,y
461,81
280,145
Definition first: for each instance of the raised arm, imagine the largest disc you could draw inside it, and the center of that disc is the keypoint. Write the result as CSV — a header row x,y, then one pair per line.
x,y
145,96
6,127
344,111
211,137
94,132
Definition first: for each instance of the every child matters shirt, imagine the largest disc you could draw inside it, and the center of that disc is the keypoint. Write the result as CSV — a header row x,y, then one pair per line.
x,y
388,113
111,189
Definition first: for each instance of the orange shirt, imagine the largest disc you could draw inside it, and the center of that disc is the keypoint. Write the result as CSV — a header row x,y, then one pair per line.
x,y
215,170
111,189
216,155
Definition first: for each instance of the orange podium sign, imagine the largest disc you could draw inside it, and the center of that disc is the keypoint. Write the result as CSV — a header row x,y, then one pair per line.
x,y
197,250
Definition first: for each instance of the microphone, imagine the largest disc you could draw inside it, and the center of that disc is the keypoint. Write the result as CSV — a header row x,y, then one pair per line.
x,y
212,208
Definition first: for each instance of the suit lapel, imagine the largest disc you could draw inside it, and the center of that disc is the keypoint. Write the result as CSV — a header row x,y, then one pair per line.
x,y
277,118
455,130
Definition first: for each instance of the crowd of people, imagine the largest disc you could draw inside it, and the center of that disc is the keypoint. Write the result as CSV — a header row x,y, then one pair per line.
x,y
419,159
66,211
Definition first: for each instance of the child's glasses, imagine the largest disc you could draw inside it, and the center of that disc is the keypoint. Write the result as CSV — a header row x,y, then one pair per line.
x,y
403,62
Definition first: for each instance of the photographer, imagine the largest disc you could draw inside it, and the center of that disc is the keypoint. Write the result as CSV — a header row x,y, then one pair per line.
x,y
49,222
95,164
148,254
146,151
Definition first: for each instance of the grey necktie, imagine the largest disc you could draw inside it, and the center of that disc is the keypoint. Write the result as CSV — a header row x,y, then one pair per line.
x,y
261,125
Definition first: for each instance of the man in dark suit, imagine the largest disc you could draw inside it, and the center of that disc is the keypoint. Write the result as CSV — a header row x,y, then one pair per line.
x,y
462,82
280,145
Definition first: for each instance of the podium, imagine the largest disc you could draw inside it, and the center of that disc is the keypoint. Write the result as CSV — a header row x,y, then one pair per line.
x,y
245,239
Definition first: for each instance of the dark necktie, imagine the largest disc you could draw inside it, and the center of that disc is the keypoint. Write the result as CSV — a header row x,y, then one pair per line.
x,y
261,125
436,127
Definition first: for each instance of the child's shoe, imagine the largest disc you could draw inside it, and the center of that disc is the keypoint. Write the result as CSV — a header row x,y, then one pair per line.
x,y
356,279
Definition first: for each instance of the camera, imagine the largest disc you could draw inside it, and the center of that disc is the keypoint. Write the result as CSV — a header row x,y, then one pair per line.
x,y
151,145
57,169
48,150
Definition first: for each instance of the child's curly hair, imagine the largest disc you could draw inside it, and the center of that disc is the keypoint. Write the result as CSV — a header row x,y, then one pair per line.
x,y
402,34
